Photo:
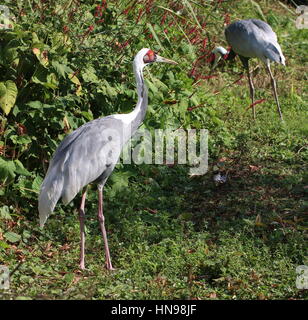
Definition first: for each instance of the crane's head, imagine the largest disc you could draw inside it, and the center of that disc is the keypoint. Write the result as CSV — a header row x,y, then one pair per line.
x,y
147,56
218,53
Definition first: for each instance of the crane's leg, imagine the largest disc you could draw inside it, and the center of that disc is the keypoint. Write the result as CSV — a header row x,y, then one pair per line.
x,y
252,92
101,220
251,86
273,82
82,233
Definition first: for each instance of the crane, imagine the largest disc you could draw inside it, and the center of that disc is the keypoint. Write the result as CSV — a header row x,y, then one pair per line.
x,y
253,38
90,153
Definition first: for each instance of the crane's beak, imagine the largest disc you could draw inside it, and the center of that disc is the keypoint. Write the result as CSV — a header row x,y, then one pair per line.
x,y
165,60
216,60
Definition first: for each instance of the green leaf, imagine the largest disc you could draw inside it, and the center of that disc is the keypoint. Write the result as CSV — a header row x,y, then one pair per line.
x,y
4,244
35,38
7,169
109,90
155,35
8,94
5,213
183,106
9,55
43,77
151,86
40,75
36,184
89,75
35,104
159,84
23,140
119,180
87,115
12,236
186,216
52,81
20,169
26,234
61,69
69,277
194,100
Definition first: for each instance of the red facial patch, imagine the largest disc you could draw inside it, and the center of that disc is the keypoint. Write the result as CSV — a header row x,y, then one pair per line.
x,y
149,57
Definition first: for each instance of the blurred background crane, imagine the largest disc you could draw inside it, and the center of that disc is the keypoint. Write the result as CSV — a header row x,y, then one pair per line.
x,y
253,38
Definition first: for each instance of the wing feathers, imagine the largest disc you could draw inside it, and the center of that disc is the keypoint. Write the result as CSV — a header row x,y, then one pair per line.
x,y
81,158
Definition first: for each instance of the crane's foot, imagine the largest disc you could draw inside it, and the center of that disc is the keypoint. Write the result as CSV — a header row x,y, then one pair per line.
x,y
254,114
280,115
111,269
82,266
109,266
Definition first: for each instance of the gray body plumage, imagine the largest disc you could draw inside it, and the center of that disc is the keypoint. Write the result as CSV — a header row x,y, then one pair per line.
x,y
84,156
254,38
89,154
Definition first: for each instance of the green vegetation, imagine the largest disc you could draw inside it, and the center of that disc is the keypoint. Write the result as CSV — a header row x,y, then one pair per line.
x,y
172,236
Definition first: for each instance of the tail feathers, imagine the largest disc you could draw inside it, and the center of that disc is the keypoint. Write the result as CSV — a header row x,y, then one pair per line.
x,y
51,191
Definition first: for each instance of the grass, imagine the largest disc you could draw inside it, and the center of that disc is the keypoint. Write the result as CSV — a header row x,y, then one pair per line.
x,y
173,236
176,237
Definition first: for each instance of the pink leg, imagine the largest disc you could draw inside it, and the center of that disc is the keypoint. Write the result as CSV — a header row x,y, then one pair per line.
x,y
273,82
101,220
252,92
82,233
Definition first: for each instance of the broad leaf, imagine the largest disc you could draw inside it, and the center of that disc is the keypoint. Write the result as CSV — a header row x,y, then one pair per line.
x,y
36,184
12,236
61,69
43,77
4,245
35,104
42,56
8,94
89,75
20,169
7,170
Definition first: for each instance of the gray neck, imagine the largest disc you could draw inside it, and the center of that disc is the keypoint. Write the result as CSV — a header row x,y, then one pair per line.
x,y
142,103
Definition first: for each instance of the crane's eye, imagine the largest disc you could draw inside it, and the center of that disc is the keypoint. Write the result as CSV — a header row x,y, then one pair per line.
x,y
149,57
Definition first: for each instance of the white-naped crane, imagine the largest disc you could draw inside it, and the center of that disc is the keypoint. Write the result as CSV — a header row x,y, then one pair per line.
x,y
253,38
90,153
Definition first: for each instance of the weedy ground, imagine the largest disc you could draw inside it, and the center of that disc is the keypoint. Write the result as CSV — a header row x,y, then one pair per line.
x,y
173,236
